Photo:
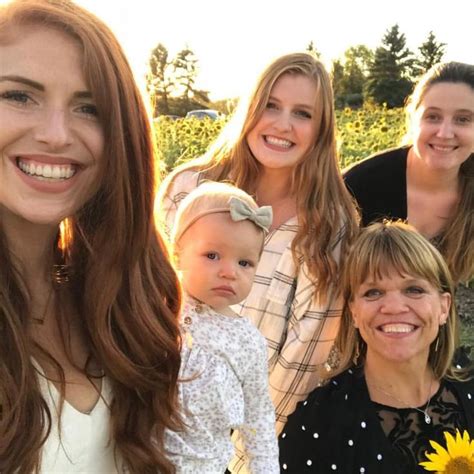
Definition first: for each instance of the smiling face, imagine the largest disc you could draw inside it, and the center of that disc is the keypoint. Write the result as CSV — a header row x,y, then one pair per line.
x,y
218,259
50,138
286,131
398,317
443,126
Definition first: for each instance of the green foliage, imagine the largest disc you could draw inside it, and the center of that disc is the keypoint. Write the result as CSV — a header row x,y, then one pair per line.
x,y
368,130
171,82
361,133
389,79
183,139
431,52
349,76
311,49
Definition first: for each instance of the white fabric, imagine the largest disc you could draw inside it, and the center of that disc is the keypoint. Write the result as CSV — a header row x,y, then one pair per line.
x,y
84,445
224,387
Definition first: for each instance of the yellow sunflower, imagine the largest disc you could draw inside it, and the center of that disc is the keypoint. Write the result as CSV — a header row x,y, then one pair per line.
x,y
458,458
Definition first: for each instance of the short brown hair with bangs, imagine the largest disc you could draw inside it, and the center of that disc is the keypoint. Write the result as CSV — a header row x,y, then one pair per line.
x,y
379,249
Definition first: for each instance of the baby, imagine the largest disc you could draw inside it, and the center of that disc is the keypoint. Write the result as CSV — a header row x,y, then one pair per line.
x,y
218,238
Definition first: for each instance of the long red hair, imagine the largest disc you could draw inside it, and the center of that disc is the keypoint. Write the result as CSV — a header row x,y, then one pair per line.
x,y
122,284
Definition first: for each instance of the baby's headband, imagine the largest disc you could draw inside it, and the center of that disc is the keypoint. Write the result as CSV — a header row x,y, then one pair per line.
x,y
239,211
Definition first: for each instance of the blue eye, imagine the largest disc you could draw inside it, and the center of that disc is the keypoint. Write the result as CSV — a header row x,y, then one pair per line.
x,y
19,97
303,114
415,290
89,109
372,293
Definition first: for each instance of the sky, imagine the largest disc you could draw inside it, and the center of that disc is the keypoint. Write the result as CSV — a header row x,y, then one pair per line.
x,y
235,39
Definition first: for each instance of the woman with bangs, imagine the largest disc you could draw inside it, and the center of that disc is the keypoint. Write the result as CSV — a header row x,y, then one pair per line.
x,y
430,182
396,387
280,147
89,353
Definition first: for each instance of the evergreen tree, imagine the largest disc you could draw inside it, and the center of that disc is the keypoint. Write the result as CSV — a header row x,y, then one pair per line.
x,y
389,73
431,52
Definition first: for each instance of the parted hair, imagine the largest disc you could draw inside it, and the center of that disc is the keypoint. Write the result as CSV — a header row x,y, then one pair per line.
x,y
122,285
380,249
323,203
457,242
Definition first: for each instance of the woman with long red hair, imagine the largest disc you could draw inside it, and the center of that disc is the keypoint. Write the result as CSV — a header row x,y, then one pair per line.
x,y
89,352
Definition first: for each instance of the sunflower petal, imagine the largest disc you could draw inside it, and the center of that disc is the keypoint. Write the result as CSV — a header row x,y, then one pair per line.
x,y
429,466
442,453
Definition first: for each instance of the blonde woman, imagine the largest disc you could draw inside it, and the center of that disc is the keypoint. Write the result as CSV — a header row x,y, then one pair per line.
x,y
280,147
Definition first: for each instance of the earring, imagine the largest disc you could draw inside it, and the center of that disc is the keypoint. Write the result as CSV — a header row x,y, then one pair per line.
x,y
356,355
437,339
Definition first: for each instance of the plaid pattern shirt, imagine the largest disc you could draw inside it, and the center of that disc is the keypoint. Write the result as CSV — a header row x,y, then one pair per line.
x,y
299,325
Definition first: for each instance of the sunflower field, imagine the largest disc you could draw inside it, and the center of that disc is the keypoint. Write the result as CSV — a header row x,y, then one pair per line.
x,y
361,132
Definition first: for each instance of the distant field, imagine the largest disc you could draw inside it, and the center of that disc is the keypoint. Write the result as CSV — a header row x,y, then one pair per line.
x,y
361,133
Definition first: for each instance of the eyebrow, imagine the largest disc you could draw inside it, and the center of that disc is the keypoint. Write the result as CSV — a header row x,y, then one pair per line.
x,y
462,111
38,86
22,80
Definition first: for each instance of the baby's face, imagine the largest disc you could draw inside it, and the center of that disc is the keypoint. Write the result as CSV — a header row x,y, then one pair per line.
x,y
218,259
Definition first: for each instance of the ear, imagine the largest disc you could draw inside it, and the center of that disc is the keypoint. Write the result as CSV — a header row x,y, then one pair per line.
x,y
353,315
445,300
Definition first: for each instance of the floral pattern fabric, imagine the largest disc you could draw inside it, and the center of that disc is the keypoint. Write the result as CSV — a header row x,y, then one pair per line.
x,y
223,387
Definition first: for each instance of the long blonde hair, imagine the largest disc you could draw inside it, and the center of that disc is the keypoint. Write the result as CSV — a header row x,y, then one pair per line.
x,y
326,214
457,242
394,246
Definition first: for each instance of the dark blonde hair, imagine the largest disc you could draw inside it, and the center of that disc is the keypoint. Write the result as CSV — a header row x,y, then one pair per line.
x,y
323,203
122,285
380,249
457,242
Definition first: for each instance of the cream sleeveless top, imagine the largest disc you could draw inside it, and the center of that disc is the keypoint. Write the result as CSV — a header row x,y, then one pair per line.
x,y
82,444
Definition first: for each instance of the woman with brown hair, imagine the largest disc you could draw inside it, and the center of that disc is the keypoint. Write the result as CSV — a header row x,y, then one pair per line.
x,y
280,147
430,182
89,352
397,386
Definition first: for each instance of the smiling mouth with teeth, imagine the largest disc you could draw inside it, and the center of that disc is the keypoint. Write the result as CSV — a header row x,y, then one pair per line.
x,y
46,171
397,328
281,142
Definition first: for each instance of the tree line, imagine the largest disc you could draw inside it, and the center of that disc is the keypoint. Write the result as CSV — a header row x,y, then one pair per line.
x,y
385,75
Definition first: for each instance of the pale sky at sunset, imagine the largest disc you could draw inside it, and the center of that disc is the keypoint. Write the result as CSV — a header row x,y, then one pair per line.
x,y
234,39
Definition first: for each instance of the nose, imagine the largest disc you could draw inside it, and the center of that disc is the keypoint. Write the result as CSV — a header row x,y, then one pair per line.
x,y
283,122
393,303
445,129
54,129
227,270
